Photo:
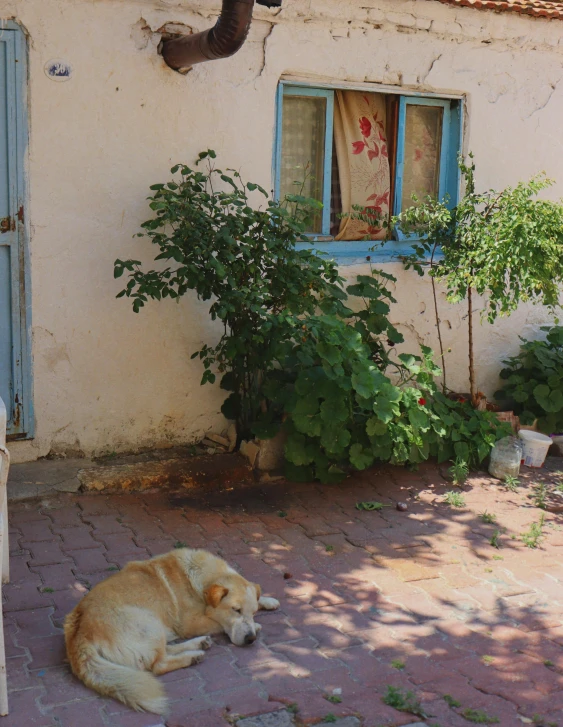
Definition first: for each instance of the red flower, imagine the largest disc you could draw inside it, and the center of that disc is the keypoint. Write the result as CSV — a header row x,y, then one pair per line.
x,y
358,147
417,155
384,151
365,127
422,402
373,153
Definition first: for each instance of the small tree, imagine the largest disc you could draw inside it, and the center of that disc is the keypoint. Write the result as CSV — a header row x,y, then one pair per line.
x,y
506,246
242,259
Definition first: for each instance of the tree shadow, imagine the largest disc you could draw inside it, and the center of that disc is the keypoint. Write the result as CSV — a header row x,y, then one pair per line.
x,y
438,600
446,602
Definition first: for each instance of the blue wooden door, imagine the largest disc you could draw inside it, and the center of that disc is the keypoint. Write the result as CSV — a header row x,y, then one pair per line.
x,y
14,321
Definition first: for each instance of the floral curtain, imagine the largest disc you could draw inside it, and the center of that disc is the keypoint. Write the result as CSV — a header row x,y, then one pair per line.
x,y
363,161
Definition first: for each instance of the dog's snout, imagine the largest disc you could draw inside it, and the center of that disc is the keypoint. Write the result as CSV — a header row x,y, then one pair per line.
x,y
249,639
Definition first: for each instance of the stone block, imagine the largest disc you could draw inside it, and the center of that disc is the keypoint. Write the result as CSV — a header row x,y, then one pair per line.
x,y
272,453
281,718
218,439
405,19
250,450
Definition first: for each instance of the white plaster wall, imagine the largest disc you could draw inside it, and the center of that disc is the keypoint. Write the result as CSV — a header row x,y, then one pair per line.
x,y
106,379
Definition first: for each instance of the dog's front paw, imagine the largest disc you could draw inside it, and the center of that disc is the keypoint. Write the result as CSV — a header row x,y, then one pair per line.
x,y
268,604
206,642
197,657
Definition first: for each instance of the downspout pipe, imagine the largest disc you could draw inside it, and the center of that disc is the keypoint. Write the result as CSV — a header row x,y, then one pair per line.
x,y
223,40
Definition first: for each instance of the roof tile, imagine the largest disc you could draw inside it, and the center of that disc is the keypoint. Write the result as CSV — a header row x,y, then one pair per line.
x,y
538,8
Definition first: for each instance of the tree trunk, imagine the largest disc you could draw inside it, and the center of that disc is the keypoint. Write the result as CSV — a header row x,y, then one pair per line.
x,y
471,360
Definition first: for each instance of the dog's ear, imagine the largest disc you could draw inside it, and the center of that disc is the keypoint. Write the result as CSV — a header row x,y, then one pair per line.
x,y
215,594
258,591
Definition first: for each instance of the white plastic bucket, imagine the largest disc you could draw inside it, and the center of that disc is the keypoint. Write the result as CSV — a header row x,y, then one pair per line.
x,y
535,447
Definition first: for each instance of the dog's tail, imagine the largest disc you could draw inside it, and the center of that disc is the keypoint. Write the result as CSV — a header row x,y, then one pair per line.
x,y
138,689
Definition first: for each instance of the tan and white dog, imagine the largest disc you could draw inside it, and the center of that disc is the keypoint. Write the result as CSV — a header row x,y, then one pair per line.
x,y
122,629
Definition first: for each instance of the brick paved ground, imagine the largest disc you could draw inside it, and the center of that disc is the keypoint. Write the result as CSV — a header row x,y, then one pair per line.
x,y
418,600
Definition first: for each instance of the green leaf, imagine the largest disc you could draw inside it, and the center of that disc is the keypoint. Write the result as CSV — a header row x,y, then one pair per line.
x,y
461,450
384,410
392,393
520,395
368,383
297,450
370,506
419,419
335,438
393,335
360,458
335,409
313,381
208,377
550,401
307,406
329,353
483,450
310,425
375,427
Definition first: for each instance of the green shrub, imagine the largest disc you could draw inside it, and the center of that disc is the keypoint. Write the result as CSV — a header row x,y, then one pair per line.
x,y
343,411
534,381
245,262
296,347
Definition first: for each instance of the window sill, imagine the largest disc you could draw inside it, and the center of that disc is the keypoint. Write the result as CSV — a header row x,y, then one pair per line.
x,y
361,252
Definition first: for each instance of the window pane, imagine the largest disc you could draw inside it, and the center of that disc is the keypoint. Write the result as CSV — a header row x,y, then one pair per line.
x,y
303,141
423,144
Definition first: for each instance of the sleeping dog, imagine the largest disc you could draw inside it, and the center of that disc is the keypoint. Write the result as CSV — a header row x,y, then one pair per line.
x,y
121,631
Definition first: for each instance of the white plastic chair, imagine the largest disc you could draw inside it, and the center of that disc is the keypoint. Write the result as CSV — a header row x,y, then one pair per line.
x,y
4,466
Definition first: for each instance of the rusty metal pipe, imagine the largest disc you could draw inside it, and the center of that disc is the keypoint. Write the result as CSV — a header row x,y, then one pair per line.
x,y
223,40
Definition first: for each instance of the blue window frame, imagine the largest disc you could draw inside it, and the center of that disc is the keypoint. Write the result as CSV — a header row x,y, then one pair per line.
x,y
328,97
448,112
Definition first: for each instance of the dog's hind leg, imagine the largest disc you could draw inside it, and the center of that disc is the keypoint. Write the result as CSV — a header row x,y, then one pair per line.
x,y
170,662
201,642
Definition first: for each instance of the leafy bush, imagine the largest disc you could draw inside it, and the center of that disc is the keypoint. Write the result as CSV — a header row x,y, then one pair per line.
x,y
242,259
341,408
292,351
534,381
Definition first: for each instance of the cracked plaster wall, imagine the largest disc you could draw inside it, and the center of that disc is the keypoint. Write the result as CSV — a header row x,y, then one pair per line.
x,y
106,379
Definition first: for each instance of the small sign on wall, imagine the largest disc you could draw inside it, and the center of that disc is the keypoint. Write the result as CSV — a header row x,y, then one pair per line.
x,y
58,70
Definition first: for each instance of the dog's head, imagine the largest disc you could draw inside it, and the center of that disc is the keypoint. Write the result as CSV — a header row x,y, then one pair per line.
x,y
232,602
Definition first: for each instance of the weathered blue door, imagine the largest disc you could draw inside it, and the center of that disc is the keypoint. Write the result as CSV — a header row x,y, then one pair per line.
x,y
14,319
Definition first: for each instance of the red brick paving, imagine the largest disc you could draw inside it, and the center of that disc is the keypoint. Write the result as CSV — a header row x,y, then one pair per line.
x,y
369,600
